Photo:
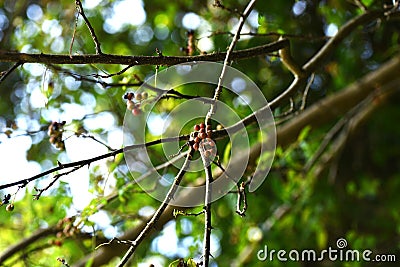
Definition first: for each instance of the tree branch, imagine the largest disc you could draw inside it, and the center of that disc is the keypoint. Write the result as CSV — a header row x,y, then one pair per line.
x,y
7,56
159,212
229,52
91,29
207,207
24,182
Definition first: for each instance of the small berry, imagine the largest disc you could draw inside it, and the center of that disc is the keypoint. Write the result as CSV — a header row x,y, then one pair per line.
x,y
202,135
130,105
219,127
202,125
145,95
136,111
196,146
207,153
138,96
202,130
10,207
197,139
196,127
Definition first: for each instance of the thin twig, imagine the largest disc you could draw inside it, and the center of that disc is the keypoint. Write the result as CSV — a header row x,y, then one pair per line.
x,y
91,30
308,38
207,207
235,39
55,179
4,74
305,93
24,182
98,141
158,213
73,35
218,4
114,74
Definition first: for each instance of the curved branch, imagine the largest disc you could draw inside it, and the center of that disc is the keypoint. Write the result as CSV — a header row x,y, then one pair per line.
x,y
316,61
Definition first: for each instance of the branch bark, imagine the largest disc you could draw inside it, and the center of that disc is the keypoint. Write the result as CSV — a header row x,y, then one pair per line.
x,y
7,56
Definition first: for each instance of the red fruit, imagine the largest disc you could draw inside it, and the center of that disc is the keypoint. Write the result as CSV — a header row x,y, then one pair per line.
x,y
202,135
202,125
196,146
197,139
196,127
136,111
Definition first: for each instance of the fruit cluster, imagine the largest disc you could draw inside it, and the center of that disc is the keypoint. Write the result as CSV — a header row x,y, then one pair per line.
x,y
67,227
55,132
131,105
202,137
